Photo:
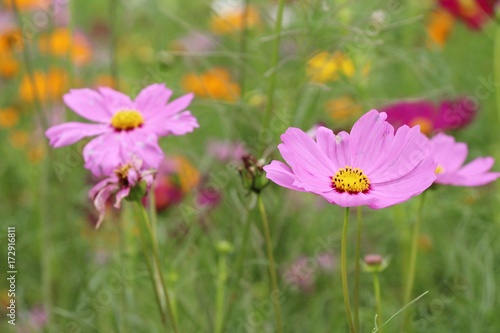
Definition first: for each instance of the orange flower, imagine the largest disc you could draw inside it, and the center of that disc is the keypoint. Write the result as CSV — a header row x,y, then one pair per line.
x,y
9,66
49,85
232,21
189,177
9,117
325,67
439,27
215,83
19,139
28,4
342,108
60,43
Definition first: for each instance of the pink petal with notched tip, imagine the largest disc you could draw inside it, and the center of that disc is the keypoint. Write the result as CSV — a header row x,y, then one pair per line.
x,y
115,100
88,104
282,175
177,124
68,133
152,99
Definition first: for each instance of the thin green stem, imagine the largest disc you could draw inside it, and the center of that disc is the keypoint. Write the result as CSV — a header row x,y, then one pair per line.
x,y
157,265
412,261
239,264
496,68
343,264
243,47
28,65
378,302
357,256
113,13
272,266
152,277
220,293
274,64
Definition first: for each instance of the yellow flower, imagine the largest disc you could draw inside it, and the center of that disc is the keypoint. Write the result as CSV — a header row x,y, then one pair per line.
x,y
232,21
27,4
36,153
439,27
342,108
8,117
9,66
49,85
325,67
215,83
60,43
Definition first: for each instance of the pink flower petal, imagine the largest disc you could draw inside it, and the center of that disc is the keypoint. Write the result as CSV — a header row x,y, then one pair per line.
x,y
152,99
477,166
448,153
89,104
335,147
100,202
177,105
348,200
402,189
177,124
370,137
282,175
69,133
120,195
115,100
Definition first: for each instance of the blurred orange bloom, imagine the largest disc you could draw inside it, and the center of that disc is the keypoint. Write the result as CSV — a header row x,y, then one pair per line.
x,y
9,117
27,4
324,67
215,83
233,21
342,108
10,41
9,66
189,176
439,27
60,43
49,86
19,139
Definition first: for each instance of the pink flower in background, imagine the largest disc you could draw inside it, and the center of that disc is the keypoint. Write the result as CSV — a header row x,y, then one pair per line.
x,y
475,13
371,166
124,128
226,151
450,157
120,183
450,114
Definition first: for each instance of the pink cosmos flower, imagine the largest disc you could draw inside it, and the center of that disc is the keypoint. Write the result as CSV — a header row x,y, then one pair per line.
x,y
371,166
448,115
475,13
124,128
120,183
450,157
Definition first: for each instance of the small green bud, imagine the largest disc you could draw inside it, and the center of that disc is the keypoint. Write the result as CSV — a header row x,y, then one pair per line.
x,y
252,174
224,247
374,263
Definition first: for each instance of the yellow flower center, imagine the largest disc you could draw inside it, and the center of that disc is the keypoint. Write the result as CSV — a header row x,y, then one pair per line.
x,y
439,170
127,120
350,180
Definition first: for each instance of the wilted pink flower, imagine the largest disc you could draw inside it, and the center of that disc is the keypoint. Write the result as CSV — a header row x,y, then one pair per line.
x,y
371,166
450,157
120,183
124,128
475,13
450,114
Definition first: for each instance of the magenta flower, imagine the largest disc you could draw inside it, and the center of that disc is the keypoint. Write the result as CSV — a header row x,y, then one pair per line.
x,y
449,115
371,166
120,183
475,13
124,128
450,157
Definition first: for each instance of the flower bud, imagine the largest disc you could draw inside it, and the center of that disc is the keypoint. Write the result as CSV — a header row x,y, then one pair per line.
x,y
374,263
252,174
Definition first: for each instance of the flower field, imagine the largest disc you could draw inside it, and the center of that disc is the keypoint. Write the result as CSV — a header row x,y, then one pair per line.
x,y
249,166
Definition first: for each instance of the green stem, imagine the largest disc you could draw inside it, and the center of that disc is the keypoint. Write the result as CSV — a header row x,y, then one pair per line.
x,y
113,12
157,265
243,47
272,266
274,64
152,277
357,268
220,294
496,68
378,302
412,262
343,264
239,264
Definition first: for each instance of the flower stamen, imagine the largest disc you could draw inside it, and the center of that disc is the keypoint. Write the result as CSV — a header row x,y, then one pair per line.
x,y
350,180
126,120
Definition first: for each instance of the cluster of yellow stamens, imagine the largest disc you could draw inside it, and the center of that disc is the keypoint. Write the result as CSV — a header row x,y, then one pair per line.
x,y
126,120
122,173
351,180
439,170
